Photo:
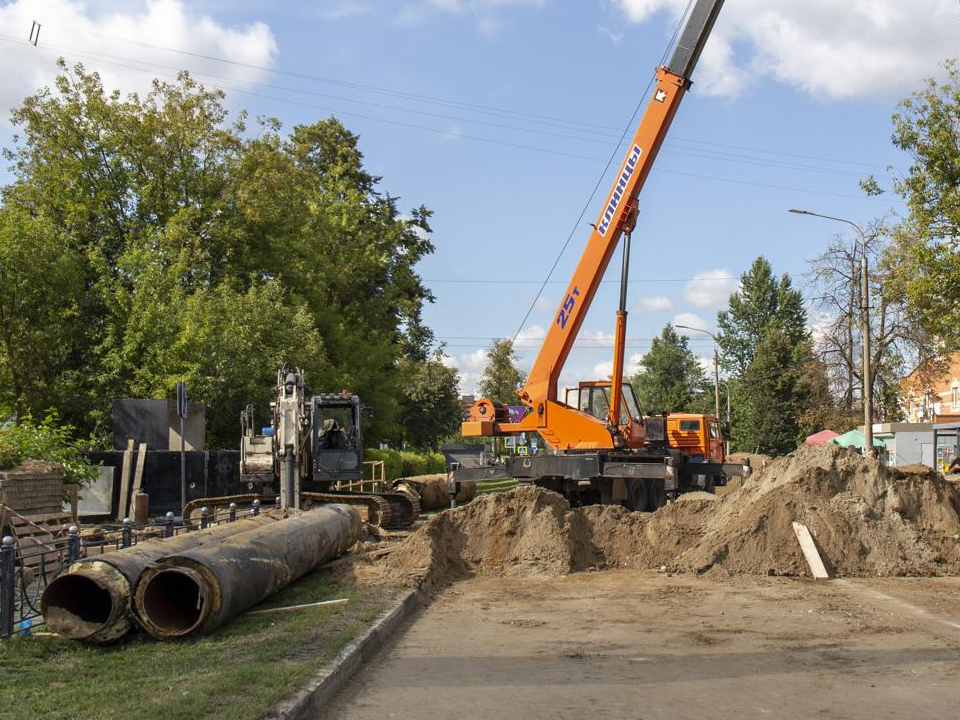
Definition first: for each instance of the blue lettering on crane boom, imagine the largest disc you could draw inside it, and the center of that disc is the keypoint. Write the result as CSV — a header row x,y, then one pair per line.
x,y
619,190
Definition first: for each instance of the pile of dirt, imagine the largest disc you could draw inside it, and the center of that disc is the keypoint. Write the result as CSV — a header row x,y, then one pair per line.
x,y
866,519
521,532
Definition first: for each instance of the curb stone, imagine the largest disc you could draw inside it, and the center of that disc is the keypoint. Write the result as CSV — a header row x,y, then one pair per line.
x,y
320,689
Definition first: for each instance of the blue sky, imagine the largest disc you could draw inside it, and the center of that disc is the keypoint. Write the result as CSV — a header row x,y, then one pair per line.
x,y
791,108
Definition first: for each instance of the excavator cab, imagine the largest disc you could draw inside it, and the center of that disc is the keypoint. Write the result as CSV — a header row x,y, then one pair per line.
x,y
337,446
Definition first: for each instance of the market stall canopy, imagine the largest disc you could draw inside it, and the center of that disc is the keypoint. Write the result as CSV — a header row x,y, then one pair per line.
x,y
821,437
854,438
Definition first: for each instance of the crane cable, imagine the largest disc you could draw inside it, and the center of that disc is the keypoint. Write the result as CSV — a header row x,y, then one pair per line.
x,y
603,174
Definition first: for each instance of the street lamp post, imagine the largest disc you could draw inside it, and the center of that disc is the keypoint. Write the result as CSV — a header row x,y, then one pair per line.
x,y
716,366
865,319
716,375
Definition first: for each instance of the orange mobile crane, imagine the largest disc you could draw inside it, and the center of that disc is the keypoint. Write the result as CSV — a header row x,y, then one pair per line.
x,y
608,451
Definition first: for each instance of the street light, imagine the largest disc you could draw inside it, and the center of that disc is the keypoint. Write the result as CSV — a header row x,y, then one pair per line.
x,y
865,313
716,370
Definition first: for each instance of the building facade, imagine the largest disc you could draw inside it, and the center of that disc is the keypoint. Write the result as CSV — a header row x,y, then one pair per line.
x,y
932,395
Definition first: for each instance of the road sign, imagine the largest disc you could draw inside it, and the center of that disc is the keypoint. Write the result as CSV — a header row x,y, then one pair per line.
x,y
182,399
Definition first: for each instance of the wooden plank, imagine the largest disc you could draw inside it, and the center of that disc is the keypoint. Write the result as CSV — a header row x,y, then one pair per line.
x,y
137,480
810,552
124,499
73,492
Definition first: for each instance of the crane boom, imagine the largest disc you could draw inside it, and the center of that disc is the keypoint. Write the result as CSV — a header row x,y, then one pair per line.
x,y
560,425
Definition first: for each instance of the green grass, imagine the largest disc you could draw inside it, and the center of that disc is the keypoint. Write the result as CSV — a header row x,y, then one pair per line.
x,y
238,672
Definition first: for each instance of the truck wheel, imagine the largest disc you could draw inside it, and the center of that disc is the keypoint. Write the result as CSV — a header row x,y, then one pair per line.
x,y
709,483
638,495
658,494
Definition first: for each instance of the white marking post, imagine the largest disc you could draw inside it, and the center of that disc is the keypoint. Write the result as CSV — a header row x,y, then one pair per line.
x,y
809,548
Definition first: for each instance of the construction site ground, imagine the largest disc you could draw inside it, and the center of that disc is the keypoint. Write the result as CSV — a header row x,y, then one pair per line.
x,y
645,644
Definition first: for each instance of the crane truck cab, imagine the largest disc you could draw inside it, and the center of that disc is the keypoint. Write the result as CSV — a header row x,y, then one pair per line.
x,y
698,436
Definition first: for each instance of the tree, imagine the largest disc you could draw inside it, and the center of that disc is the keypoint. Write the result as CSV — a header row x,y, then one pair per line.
x,y
193,249
501,377
896,339
762,302
923,264
430,408
670,378
772,396
41,286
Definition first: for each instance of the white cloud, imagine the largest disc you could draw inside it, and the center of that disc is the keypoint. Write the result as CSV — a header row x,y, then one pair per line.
x,y
657,303
860,49
614,37
448,361
711,289
819,323
476,360
707,364
690,320
604,370
71,29
534,332
598,339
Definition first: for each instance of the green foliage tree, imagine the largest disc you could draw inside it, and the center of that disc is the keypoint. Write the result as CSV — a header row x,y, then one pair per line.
x,y
41,289
193,249
772,396
430,408
776,382
670,378
762,302
923,264
501,377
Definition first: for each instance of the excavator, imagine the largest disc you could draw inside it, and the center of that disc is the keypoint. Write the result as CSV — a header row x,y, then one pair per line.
x,y
312,445
606,450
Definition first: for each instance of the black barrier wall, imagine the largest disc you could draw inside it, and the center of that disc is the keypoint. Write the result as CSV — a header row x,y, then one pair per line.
x,y
213,473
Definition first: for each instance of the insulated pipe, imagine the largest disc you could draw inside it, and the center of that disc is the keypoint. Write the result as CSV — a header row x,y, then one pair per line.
x,y
91,601
193,592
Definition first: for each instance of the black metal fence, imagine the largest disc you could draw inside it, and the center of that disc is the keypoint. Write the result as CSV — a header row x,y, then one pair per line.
x,y
26,571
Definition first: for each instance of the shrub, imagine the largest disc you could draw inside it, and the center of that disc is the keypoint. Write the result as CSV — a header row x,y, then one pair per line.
x,y
405,463
47,440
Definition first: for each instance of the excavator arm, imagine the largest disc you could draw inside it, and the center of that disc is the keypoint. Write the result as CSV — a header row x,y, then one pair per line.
x,y
561,426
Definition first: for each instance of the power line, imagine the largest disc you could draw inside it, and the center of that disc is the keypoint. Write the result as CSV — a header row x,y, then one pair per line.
x,y
716,156
600,130
502,281
321,79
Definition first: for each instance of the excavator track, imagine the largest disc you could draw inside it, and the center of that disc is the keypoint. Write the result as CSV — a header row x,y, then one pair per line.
x,y
404,506
378,510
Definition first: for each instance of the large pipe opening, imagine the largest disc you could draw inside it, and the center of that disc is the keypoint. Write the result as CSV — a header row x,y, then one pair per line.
x,y
172,602
76,606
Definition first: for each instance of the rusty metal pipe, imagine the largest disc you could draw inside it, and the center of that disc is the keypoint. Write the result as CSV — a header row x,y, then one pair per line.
x,y
91,601
193,592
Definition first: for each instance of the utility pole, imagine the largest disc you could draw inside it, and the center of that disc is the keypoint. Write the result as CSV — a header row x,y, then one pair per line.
x,y
867,375
866,371
716,381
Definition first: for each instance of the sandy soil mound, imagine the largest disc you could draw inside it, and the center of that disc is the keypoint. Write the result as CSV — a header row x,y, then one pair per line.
x,y
867,520
520,532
